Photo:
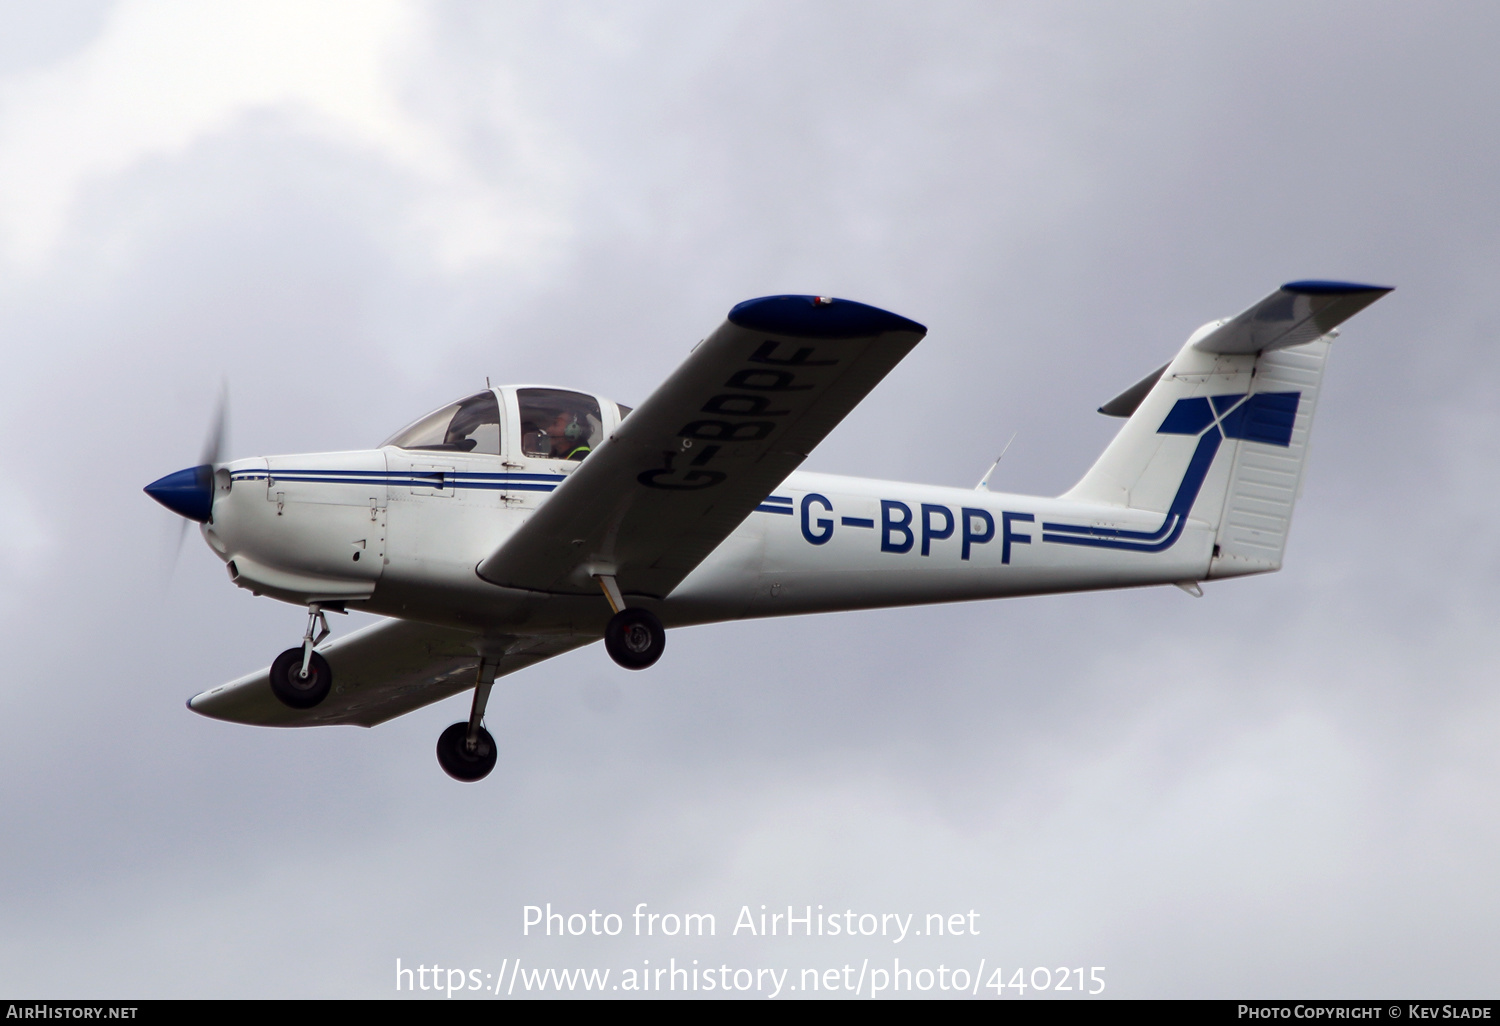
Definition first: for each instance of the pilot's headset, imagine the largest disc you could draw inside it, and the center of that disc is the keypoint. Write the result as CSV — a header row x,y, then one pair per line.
x,y
574,431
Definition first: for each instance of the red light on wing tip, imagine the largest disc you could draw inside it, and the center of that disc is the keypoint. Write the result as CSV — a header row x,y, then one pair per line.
x,y
822,300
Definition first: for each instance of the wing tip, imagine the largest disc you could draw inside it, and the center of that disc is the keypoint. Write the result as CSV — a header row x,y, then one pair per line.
x,y
819,317
1317,287
203,704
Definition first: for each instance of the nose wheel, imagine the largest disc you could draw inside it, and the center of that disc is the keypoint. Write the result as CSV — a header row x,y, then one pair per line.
x,y
296,687
300,677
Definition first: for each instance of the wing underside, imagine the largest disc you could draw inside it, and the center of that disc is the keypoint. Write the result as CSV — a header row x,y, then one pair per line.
x,y
381,672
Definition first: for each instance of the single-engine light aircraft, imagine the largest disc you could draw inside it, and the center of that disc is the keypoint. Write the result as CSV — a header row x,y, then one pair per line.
x,y
525,521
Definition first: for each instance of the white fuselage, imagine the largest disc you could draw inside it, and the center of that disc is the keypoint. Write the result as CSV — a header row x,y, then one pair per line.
x,y
399,533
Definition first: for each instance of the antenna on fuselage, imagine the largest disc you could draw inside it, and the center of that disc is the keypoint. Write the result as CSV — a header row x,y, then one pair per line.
x,y
984,482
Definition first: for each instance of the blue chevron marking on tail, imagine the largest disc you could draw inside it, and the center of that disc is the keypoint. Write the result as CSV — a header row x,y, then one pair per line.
x,y
1266,417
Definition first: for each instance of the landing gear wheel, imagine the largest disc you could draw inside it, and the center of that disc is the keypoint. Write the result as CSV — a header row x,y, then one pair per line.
x,y
295,690
458,760
635,638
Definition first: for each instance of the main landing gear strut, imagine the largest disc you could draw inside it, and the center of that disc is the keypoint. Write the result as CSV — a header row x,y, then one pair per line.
x,y
466,751
300,677
634,638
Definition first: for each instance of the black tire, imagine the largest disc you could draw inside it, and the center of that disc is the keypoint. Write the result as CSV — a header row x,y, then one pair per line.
x,y
456,759
635,638
294,690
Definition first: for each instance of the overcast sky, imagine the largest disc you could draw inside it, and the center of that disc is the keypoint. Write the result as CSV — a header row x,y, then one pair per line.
x,y
353,213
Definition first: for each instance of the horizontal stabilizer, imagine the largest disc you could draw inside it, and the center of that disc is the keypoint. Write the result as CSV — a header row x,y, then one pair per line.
x,y
1298,312
1124,404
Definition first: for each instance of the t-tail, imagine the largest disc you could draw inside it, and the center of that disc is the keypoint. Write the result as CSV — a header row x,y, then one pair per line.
x,y
1220,434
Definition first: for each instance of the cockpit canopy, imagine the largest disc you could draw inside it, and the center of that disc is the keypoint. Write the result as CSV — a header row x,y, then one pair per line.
x,y
550,423
469,425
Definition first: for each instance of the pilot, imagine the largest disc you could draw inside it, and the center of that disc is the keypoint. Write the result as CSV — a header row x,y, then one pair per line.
x,y
569,436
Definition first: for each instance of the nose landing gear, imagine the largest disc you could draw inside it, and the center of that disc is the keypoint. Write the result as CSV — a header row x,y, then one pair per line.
x,y
300,677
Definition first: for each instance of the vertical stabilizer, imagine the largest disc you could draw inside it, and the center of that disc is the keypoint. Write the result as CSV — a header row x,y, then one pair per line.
x,y
1169,457
1221,437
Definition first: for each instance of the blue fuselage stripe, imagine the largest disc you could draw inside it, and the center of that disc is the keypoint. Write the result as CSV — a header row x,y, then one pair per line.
x,y
438,480
1165,536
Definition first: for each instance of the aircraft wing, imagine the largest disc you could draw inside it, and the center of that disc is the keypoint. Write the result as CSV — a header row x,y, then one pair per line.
x,y
1298,312
379,673
692,461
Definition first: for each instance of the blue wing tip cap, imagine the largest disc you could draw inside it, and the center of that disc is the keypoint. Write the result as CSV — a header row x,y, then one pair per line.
x,y
818,317
1332,288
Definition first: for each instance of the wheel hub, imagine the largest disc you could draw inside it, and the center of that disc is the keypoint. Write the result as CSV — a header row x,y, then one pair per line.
x,y
303,681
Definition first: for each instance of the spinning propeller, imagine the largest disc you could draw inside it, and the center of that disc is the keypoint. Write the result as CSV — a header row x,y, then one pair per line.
x,y
190,493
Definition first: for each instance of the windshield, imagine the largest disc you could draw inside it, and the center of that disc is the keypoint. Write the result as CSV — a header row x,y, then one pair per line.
x,y
469,425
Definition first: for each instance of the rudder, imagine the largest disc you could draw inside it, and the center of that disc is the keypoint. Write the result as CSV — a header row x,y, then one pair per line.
x,y
1265,480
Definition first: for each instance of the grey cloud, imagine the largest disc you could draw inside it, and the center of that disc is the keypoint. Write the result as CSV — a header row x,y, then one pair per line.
x,y
1285,787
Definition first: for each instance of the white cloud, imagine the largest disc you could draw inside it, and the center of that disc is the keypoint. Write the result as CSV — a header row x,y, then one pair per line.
x,y
163,77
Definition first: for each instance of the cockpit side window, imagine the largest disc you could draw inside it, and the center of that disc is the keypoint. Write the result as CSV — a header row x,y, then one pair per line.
x,y
559,425
469,425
